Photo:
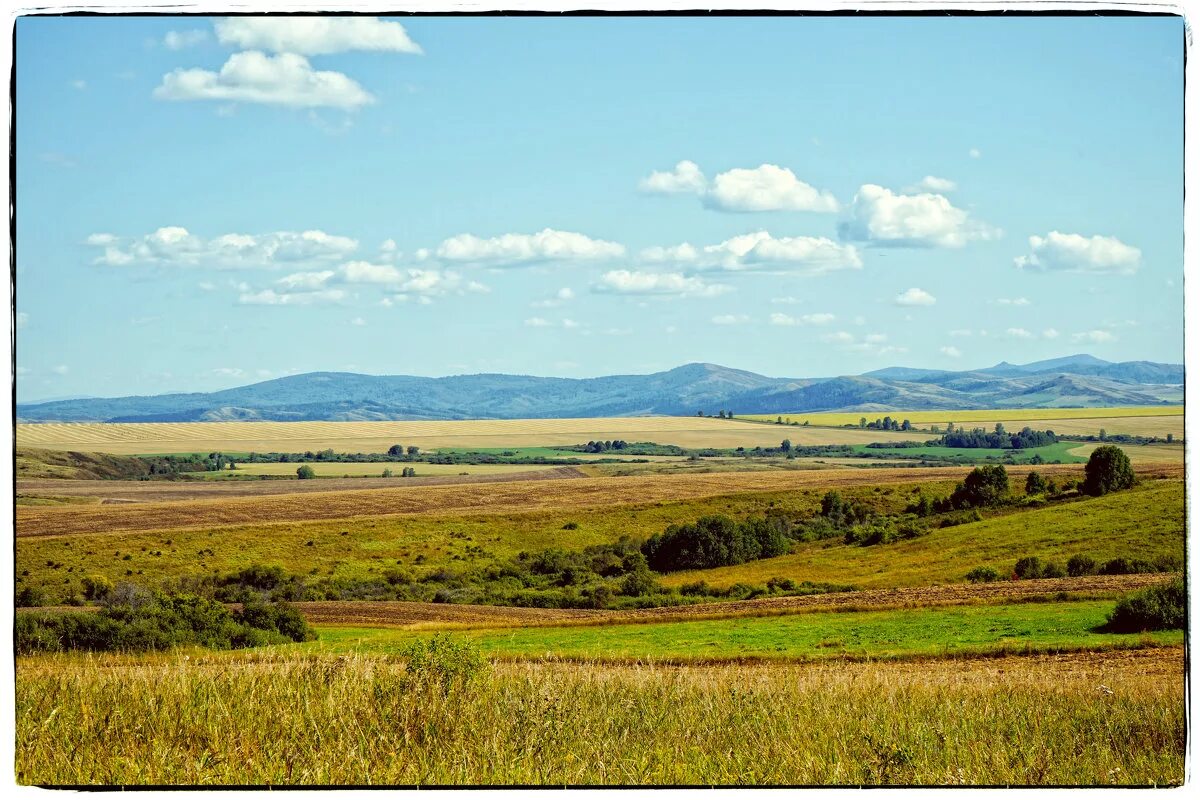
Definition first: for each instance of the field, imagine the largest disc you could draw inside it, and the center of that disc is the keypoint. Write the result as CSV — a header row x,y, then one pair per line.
x,y
1106,718
377,437
1133,420
328,469
895,670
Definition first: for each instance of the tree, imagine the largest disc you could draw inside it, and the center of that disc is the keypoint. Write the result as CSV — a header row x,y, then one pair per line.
x,y
1035,483
862,422
413,450
786,445
387,473
1170,438
1103,435
999,428
305,472
1107,470
984,487
396,450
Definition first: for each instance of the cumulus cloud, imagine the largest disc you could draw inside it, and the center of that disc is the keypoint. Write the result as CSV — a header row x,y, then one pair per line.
x,y
950,351
270,297
915,297
1018,333
886,219
730,319
1012,301
517,249
957,332
933,184
1070,252
1093,337
841,337
286,79
61,369
542,322
872,343
767,187
22,319
178,40
563,295
787,320
176,246
759,251
1049,333
685,178
623,281
974,152
313,36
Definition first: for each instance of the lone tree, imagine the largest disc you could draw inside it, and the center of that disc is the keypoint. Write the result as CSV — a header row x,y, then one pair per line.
x,y
396,450
984,487
1035,483
305,472
1107,470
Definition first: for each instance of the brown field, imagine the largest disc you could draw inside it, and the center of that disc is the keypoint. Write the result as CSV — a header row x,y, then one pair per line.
x,y
394,613
495,498
377,437
1139,454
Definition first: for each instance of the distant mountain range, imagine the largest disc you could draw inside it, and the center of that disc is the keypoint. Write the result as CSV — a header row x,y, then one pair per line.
x,y
1073,381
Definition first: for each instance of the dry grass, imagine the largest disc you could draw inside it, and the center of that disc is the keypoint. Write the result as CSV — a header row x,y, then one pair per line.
x,y
377,437
493,498
1150,454
327,469
258,718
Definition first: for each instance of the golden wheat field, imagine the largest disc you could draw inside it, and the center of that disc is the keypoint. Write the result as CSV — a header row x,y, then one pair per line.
x,y
377,437
1131,420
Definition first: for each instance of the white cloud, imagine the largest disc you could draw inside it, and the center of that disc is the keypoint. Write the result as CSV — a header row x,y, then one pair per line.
x,y
974,153
538,322
517,249
176,246
80,85
228,372
685,178
563,295
933,184
623,281
786,301
730,319
286,79
841,337
61,369
358,322
950,351
569,324
883,218
873,343
958,332
1049,333
766,188
1012,301
305,281
269,297
22,319
315,36
915,297
1093,337
178,40
786,320
1070,252
1018,333
761,252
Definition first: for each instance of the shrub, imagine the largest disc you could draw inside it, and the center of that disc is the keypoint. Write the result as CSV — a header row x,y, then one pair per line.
x,y
1107,470
443,663
983,487
96,587
1028,567
715,541
30,597
983,575
1035,483
1154,609
1052,569
305,472
1081,564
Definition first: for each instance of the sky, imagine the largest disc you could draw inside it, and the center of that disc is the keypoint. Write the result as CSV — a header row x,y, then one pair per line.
x,y
206,202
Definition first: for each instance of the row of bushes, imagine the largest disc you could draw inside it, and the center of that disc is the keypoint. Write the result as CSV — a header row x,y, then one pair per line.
x,y
135,619
1081,564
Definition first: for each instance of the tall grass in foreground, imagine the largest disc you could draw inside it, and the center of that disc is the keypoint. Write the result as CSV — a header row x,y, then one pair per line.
x,y
276,719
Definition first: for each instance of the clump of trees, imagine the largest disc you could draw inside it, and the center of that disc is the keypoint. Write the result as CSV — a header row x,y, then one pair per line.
x,y
984,487
1154,609
716,541
135,619
998,439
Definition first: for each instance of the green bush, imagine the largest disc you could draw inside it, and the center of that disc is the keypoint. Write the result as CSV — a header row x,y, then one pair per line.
x,y
1081,564
1154,609
1052,569
1035,483
1028,567
983,487
1107,470
30,597
983,575
305,472
443,663
716,541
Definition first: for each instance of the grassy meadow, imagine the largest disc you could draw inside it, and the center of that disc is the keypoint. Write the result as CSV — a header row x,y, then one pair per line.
x,y
288,719
333,469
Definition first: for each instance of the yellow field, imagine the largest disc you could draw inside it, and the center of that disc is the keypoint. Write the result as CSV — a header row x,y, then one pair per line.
x,y
1132,420
377,437
1139,454
329,469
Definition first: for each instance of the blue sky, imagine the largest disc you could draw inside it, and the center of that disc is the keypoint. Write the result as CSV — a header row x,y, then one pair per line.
x,y
205,203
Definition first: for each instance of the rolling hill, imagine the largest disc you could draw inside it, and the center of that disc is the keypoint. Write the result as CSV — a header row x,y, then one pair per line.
x,y
1074,381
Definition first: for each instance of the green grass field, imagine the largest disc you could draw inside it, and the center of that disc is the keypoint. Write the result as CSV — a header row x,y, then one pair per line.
x,y
1059,452
863,634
